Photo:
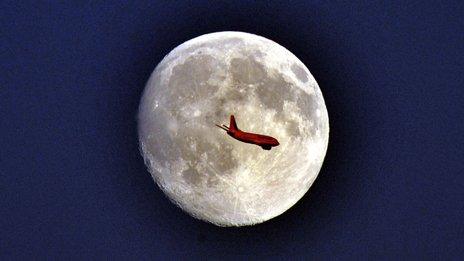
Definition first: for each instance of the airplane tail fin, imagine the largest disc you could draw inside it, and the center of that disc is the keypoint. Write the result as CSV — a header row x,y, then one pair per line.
x,y
233,124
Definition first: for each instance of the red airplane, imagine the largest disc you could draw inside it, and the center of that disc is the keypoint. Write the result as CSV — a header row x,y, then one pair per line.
x,y
266,142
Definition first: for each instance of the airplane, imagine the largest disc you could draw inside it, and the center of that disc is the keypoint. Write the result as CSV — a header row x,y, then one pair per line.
x,y
265,142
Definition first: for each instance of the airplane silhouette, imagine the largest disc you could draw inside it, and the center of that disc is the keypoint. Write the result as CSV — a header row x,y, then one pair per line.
x,y
265,142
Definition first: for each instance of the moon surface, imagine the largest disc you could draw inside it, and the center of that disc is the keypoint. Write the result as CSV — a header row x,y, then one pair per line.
x,y
199,167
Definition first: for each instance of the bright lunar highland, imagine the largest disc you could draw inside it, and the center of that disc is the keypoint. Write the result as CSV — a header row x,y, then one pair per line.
x,y
199,167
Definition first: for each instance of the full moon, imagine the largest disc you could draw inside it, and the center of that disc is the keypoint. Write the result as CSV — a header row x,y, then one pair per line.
x,y
207,173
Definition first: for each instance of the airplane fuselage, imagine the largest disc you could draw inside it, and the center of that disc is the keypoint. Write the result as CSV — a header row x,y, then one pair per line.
x,y
253,138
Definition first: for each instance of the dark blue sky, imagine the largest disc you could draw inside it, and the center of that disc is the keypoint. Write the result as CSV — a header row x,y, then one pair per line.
x,y
72,182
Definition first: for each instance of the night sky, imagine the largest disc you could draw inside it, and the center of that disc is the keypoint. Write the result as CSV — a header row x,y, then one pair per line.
x,y
73,183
